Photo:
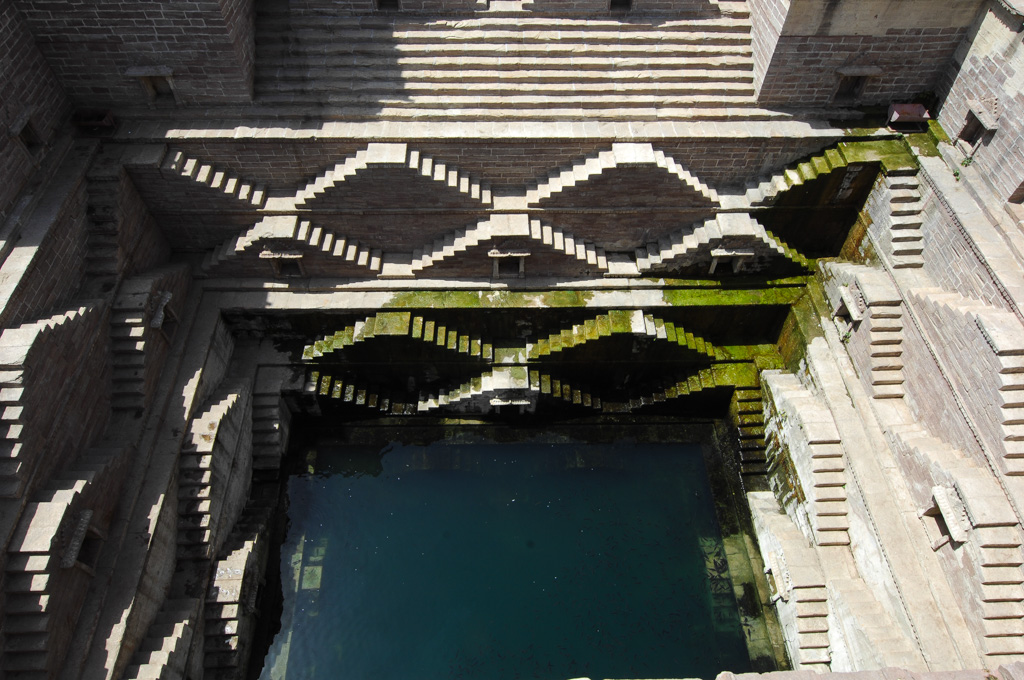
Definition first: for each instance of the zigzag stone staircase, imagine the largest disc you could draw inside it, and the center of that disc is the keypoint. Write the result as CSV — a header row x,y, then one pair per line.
x,y
763,192
991,365
230,609
179,163
289,229
163,653
555,67
622,154
48,565
816,451
984,529
633,322
506,381
736,236
19,395
204,464
394,155
496,226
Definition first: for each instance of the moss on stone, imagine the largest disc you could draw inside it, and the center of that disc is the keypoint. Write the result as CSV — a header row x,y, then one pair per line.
x,y
938,132
566,298
392,323
490,299
783,295
892,154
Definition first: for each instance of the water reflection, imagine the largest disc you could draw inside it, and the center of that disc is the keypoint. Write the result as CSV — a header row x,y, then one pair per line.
x,y
505,561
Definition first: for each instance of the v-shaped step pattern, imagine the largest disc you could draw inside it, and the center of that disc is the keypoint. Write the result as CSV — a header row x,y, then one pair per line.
x,y
697,243
401,324
618,321
395,155
453,243
626,154
299,232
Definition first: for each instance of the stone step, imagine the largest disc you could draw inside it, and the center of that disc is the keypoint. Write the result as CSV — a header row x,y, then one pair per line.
x,y
26,603
678,84
523,103
24,661
290,105
904,195
909,261
17,623
314,27
578,44
25,642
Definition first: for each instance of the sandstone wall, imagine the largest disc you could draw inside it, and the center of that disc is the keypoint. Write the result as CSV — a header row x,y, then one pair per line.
x,y
30,92
901,48
48,272
100,50
767,18
989,70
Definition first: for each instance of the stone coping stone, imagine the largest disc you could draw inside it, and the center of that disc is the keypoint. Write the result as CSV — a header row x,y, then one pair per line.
x,y
441,130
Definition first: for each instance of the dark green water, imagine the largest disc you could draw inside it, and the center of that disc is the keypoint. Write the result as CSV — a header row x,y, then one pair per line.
x,y
505,561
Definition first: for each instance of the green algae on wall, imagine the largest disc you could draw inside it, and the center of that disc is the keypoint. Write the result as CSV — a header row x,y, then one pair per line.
x,y
892,154
801,326
857,247
782,295
488,299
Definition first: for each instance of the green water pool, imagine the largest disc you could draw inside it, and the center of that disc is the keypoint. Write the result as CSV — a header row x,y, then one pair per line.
x,y
503,561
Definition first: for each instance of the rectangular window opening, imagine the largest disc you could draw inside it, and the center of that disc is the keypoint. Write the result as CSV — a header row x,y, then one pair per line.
x,y
620,5
387,5
159,89
288,268
1017,197
971,134
850,89
31,139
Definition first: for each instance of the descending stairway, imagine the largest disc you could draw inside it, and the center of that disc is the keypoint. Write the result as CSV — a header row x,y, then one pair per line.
x,y
19,395
298,232
859,610
992,545
906,204
163,653
738,230
394,155
229,611
885,327
270,419
991,340
203,466
142,326
47,575
702,379
614,322
622,154
104,222
764,191
747,411
395,68
450,244
400,324
821,463
796,577
178,163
